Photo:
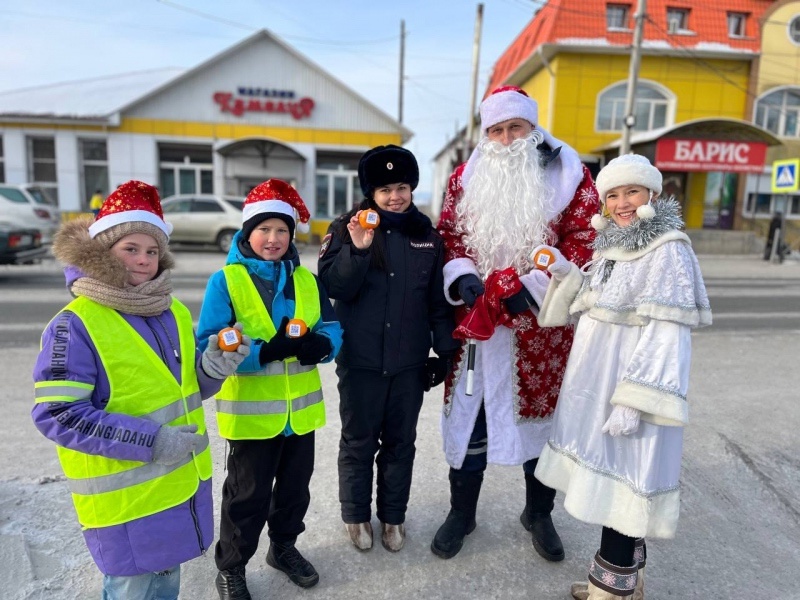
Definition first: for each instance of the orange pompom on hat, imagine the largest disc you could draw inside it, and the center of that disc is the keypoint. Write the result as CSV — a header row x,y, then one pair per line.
x,y
274,199
134,207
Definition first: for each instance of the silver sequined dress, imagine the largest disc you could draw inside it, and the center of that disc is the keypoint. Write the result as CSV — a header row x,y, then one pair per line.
x,y
635,311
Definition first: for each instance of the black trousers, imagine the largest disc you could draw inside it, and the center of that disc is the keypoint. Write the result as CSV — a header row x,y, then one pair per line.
x,y
267,482
379,416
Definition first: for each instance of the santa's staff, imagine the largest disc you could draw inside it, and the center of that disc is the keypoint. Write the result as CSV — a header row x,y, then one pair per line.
x,y
471,347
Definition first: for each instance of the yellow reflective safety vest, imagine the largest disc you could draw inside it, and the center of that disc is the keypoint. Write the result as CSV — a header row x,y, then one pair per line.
x,y
257,405
108,491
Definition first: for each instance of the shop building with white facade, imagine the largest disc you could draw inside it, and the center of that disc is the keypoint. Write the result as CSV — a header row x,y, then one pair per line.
x,y
254,111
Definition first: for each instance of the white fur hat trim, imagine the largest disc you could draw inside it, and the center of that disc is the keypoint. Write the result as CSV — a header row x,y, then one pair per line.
x,y
505,104
129,216
628,169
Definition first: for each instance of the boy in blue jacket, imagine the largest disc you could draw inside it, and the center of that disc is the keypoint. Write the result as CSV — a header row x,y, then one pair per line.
x,y
268,410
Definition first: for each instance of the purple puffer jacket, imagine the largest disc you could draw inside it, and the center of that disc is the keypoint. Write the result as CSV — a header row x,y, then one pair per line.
x,y
149,544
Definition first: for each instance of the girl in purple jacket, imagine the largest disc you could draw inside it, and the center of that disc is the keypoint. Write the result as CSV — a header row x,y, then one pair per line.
x,y
119,386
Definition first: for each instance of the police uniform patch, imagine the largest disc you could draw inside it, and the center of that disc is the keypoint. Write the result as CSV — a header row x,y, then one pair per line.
x,y
326,242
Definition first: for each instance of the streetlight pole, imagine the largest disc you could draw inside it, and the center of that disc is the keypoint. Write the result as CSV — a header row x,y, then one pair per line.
x,y
633,76
476,49
402,70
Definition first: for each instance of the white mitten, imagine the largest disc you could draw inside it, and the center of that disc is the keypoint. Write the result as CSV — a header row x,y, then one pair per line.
x,y
560,266
219,364
624,420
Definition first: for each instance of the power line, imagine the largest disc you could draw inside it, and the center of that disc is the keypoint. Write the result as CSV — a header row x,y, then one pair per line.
x,y
309,40
206,15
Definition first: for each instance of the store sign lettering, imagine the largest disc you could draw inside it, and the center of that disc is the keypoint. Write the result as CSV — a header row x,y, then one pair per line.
x,y
237,106
710,155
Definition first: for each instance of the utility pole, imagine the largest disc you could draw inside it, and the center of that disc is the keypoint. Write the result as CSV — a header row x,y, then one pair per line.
x,y
633,76
402,69
476,50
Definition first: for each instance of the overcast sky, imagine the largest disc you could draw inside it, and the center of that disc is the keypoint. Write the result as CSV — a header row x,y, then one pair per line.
x,y
357,41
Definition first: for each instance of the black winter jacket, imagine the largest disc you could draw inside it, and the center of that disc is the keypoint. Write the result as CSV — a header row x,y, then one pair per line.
x,y
391,315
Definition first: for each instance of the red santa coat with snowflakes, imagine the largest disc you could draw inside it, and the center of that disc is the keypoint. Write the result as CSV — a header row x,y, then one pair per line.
x,y
518,370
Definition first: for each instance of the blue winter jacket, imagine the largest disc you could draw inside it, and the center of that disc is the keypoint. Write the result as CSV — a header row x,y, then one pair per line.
x,y
217,310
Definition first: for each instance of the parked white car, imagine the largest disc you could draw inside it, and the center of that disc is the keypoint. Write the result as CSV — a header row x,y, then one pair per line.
x,y
203,219
27,205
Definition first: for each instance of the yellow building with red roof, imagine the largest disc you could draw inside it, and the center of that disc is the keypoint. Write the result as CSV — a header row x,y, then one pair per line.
x,y
704,67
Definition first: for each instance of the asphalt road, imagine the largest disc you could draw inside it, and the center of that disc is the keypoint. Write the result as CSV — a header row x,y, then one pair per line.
x,y
747,294
738,535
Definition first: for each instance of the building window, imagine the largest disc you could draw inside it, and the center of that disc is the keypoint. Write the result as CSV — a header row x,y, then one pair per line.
x,y
2,162
794,30
337,187
737,25
779,112
617,16
652,108
677,20
337,192
765,205
94,168
185,169
42,164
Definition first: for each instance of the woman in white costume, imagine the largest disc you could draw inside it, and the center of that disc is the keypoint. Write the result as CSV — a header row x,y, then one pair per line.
x,y
617,438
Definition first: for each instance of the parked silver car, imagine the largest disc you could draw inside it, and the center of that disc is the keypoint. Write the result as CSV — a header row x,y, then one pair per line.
x,y
27,205
203,219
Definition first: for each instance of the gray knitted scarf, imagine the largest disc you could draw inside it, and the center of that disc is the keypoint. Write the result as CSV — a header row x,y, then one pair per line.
x,y
147,299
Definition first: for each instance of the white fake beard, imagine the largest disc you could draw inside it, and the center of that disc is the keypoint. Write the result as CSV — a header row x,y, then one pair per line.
x,y
507,206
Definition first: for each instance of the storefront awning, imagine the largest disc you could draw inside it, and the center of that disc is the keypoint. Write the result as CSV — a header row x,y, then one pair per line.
x,y
705,145
707,129
262,147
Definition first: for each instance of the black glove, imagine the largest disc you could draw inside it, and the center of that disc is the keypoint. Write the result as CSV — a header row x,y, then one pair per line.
x,y
437,368
313,349
280,347
520,302
469,288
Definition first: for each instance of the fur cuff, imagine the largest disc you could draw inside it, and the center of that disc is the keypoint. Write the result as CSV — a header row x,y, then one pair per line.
x,y
554,311
455,269
537,283
657,406
593,495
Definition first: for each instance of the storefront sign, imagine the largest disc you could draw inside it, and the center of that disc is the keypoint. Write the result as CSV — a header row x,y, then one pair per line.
x,y
268,101
710,155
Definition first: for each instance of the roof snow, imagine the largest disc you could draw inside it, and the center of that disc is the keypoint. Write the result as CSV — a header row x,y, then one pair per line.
x,y
96,98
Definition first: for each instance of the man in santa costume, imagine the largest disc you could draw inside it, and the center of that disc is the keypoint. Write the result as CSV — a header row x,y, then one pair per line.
x,y
519,188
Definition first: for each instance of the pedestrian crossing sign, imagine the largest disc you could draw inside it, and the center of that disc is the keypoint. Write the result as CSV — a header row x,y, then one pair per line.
x,y
784,176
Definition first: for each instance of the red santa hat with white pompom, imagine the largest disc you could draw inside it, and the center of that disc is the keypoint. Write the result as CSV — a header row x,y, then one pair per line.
x,y
274,199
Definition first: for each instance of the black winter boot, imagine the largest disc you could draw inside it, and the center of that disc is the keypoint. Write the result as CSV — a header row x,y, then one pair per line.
x,y
286,558
231,584
536,519
465,487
